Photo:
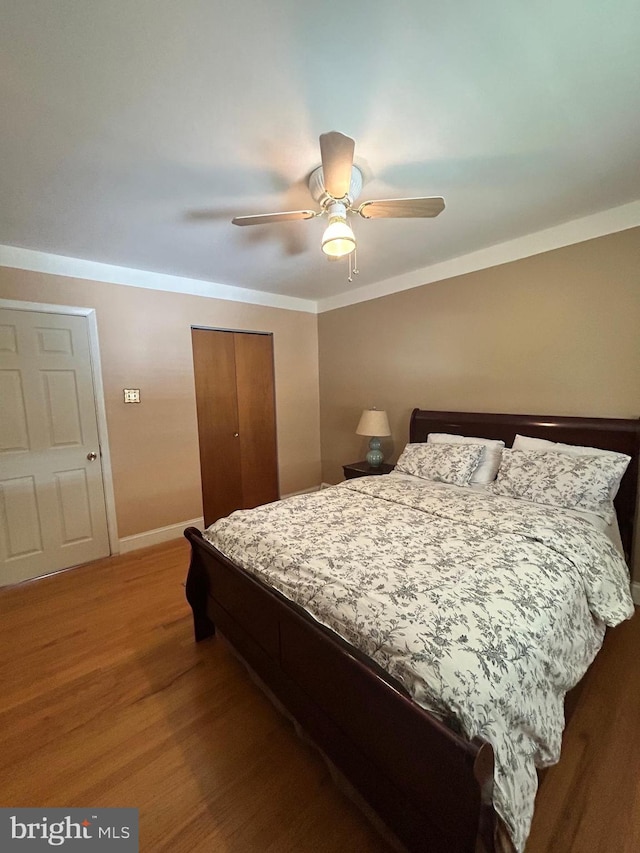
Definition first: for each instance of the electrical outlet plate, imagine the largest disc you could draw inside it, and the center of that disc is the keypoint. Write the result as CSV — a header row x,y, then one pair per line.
x,y
131,395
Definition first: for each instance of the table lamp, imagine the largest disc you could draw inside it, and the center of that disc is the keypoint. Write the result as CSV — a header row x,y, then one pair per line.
x,y
374,423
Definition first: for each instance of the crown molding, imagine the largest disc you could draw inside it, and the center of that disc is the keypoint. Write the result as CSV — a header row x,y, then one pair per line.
x,y
29,259
577,231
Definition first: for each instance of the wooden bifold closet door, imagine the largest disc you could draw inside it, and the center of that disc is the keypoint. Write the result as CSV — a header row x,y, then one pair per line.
x,y
235,400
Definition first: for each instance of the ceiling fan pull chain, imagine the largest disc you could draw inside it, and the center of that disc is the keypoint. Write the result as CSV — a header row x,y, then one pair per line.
x,y
353,262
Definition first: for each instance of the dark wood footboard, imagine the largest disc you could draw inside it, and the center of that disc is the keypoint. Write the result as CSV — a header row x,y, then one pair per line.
x,y
197,588
430,786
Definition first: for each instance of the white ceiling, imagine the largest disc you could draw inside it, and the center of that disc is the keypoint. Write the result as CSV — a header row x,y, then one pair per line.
x,y
133,130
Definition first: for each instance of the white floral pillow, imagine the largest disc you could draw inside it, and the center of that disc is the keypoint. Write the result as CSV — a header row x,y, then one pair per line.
x,y
490,460
561,479
443,463
524,442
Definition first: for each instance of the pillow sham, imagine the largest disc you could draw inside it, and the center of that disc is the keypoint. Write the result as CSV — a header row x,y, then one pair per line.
x,y
561,479
442,463
525,442
489,461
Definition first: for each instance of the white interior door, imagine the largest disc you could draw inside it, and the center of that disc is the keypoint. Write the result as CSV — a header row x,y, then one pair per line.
x,y
52,506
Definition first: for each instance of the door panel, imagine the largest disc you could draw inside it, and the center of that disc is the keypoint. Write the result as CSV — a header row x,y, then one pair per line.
x,y
73,501
51,495
215,381
256,419
8,338
58,341
13,423
62,405
22,533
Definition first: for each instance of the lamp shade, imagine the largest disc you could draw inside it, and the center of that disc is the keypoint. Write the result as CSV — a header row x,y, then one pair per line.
x,y
374,422
338,239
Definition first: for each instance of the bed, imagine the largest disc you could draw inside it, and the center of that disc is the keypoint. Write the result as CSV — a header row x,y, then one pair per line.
x,y
430,782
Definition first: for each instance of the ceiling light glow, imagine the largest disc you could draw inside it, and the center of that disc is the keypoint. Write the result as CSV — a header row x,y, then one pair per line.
x,y
338,239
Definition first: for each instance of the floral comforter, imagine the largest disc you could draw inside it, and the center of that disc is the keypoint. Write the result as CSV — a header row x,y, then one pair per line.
x,y
487,609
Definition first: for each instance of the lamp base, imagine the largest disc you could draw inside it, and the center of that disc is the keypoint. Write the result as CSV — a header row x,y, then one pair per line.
x,y
375,457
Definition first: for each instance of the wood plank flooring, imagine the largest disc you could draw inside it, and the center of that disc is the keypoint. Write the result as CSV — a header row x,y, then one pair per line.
x,y
105,700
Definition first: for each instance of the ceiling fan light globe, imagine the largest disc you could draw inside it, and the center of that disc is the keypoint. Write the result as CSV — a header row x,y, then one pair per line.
x,y
338,239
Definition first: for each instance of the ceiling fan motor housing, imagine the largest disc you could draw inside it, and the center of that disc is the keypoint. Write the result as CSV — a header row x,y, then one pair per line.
x,y
319,193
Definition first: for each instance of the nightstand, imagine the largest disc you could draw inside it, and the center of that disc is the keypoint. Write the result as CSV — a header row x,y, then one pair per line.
x,y
363,469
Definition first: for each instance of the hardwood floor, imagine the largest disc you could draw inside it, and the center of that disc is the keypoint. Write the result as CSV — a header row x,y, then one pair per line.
x,y
106,700
590,801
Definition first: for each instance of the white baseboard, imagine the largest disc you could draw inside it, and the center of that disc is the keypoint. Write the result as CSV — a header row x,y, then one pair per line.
x,y
175,531
160,534
635,592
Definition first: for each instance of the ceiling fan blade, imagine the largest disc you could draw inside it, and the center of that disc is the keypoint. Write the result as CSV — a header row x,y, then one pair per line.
x,y
401,207
266,218
336,151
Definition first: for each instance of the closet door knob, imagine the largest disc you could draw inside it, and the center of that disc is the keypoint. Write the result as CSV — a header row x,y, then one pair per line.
x,y
236,434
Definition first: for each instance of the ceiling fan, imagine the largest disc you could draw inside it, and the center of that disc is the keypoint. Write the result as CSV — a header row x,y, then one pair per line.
x,y
336,185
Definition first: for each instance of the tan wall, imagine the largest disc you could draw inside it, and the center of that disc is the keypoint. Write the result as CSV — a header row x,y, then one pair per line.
x,y
145,342
558,333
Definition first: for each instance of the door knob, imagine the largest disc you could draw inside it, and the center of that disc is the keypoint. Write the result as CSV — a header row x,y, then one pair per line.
x,y
92,456
236,434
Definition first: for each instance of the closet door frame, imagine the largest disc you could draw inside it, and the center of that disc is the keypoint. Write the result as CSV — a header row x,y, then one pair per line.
x,y
223,446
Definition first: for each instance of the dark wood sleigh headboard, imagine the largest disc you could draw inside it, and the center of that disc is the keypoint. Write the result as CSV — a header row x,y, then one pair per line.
x,y
619,434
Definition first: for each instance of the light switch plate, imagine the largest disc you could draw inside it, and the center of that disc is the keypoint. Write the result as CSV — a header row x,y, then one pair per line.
x,y
131,395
